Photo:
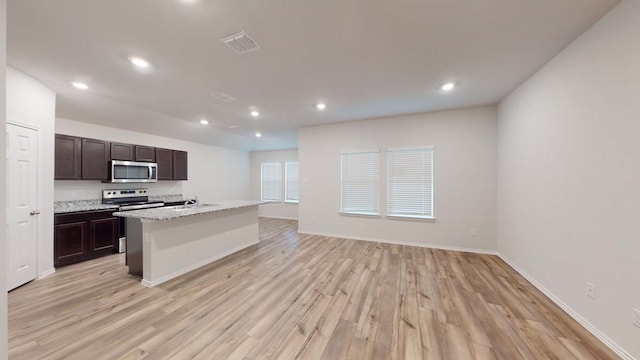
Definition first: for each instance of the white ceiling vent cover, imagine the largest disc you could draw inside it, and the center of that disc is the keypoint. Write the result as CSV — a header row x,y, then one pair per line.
x,y
223,97
241,43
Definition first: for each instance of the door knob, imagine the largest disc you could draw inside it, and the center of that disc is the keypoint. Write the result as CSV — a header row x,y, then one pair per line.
x,y
34,212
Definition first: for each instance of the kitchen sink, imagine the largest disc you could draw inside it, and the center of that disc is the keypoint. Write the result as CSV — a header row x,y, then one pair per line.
x,y
189,207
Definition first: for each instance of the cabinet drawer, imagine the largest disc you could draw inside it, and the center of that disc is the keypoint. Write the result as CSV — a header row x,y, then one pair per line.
x,y
82,216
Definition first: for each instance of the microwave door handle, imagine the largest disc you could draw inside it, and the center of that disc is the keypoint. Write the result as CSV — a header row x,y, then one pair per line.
x,y
150,172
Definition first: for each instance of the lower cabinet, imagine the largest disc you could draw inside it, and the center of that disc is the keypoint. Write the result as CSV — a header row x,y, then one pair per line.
x,y
81,236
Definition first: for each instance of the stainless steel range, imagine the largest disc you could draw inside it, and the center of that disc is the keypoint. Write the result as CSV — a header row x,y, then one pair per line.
x,y
128,199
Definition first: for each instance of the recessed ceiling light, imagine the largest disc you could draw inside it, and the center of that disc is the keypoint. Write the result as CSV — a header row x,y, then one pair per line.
x,y
204,121
255,113
448,86
80,85
233,127
139,62
321,106
258,134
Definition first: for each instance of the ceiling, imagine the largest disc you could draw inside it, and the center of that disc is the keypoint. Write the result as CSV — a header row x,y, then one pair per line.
x,y
364,58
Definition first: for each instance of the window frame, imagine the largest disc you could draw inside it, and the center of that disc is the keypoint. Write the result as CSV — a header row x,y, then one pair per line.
x,y
262,182
286,182
376,190
391,215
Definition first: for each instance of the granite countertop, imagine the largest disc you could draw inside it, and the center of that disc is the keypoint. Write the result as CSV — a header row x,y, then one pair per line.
x,y
176,212
168,198
60,207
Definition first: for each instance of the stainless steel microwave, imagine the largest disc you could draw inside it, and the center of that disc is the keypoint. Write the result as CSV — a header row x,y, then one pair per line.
x,y
132,172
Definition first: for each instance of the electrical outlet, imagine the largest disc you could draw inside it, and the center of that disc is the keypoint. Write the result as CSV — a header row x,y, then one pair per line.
x,y
473,232
636,317
591,290
74,195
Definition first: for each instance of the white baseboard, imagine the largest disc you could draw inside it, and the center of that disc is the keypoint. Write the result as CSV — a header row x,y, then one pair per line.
x,y
202,263
574,314
405,243
279,217
46,273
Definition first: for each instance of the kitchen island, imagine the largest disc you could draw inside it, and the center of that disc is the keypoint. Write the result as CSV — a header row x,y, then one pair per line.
x,y
163,243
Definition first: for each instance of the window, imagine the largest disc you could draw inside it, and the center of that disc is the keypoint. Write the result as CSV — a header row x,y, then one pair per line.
x,y
359,183
410,182
270,181
291,182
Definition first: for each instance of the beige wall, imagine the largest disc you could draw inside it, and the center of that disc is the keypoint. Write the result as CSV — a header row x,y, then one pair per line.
x,y
215,173
32,104
281,210
3,215
569,177
464,175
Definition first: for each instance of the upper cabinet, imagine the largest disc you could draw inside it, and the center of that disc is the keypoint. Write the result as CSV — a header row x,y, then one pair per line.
x,y
88,159
95,159
67,157
121,151
164,158
180,165
145,153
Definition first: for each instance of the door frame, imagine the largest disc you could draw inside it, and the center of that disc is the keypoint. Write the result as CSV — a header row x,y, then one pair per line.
x,y
39,230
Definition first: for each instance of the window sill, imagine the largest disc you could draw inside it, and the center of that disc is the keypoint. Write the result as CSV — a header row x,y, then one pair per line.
x,y
365,215
411,218
271,201
291,201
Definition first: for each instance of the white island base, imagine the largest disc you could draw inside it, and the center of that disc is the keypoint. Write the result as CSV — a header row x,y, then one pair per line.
x,y
162,249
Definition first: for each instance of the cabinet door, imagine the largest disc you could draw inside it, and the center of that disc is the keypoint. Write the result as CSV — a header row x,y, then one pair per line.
x,y
121,152
164,158
145,153
67,157
180,168
95,159
70,243
104,236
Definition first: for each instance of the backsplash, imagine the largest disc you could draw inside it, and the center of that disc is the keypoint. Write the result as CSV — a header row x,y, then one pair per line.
x,y
67,190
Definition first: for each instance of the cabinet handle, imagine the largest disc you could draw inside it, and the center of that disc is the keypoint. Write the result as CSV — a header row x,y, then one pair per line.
x,y
34,212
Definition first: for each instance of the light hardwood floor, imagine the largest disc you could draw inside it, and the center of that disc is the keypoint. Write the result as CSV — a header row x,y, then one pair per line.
x,y
298,296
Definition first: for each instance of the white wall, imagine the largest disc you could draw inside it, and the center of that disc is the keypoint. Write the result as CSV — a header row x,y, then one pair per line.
x,y
32,104
280,210
3,201
464,176
569,176
215,173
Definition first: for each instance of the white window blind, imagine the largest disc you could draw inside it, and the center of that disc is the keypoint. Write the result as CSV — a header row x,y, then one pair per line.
x,y
291,181
360,180
410,182
270,181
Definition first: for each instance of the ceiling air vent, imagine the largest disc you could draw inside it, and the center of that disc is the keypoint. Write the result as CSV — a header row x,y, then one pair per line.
x,y
223,97
240,43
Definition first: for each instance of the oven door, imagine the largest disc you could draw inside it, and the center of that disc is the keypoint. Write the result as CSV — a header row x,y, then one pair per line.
x,y
133,172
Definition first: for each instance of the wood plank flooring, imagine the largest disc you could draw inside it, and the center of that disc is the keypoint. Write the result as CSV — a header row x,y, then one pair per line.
x,y
298,296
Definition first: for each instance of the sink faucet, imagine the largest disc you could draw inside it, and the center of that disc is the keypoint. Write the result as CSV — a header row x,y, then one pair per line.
x,y
193,201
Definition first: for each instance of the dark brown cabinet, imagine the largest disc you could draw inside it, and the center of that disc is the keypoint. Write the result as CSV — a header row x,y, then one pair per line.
x,y
88,159
95,159
164,159
81,236
67,157
145,153
70,242
180,166
121,151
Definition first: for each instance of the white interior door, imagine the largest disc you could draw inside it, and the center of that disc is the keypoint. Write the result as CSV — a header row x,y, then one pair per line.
x,y
22,211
